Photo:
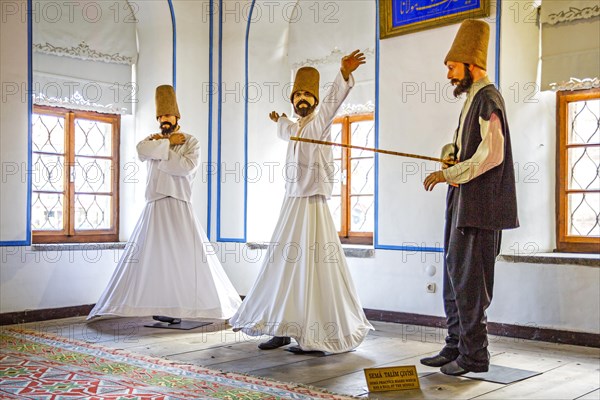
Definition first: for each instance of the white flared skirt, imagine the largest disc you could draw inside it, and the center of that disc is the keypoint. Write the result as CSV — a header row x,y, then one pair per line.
x,y
304,289
168,268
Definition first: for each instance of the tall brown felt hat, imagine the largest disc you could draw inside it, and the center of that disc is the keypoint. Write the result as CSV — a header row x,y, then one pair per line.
x,y
470,44
166,101
307,78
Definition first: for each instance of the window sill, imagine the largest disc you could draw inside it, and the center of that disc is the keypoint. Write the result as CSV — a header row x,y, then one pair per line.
x,y
78,246
357,251
350,251
588,260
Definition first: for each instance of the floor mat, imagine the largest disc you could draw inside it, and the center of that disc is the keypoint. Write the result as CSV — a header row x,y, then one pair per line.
x,y
42,366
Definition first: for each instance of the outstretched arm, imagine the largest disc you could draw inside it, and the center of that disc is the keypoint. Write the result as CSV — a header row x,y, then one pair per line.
x,y
285,127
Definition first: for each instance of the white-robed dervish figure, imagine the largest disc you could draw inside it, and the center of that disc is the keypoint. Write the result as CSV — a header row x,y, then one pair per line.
x,y
166,270
304,289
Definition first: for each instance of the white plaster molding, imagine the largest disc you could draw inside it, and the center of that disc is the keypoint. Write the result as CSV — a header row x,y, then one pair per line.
x,y
573,14
76,102
576,84
352,109
83,52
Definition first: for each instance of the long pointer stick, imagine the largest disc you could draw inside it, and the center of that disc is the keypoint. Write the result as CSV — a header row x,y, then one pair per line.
x,y
349,146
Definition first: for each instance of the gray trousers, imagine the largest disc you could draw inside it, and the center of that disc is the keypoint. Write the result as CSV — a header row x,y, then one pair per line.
x,y
470,255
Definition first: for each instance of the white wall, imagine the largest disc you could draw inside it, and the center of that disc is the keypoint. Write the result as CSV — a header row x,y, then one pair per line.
x,y
192,80
418,114
278,37
49,279
31,280
269,76
532,119
553,296
563,297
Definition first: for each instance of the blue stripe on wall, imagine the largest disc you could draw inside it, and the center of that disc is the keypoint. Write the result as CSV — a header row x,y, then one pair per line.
x,y
29,115
27,240
219,131
498,29
246,120
219,113
377,33
211,8
174,27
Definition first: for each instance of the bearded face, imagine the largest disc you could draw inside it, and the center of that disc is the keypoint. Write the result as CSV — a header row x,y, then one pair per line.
x,y
460,76
304,103
463,85
168,124
166,128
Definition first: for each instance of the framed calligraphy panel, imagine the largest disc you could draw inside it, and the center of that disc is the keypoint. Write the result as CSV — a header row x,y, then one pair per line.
x,y
398,17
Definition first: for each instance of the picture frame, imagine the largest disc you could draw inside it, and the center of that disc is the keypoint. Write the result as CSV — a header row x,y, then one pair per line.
x,y
399,17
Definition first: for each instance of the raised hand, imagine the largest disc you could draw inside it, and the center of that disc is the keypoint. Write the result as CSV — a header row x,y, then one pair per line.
x,y
351,62
275,116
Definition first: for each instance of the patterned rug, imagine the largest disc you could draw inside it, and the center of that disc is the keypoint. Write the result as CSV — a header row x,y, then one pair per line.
x,y
38,366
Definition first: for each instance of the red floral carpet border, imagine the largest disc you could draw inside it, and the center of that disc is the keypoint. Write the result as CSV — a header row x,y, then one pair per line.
x,y
38,366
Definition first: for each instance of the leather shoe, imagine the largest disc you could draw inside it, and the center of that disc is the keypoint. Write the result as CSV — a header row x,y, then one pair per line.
x,y
169,320
275,342
298,350
452,368
436,361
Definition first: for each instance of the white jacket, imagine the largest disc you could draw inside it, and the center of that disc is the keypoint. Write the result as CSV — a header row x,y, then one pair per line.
x,y
309,168
171,169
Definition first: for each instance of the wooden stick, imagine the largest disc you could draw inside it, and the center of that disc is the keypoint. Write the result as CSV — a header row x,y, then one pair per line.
x,y
349,146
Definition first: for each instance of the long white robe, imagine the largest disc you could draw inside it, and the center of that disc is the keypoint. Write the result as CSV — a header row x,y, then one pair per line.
x,y
167,267
304,289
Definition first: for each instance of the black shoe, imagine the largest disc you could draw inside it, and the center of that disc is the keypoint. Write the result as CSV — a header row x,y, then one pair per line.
x,y
169,320
298,350
436,361
452,368
275,342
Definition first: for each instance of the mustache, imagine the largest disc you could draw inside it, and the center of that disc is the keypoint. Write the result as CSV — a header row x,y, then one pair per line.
x,y
166,127
304,111
303,102
463,85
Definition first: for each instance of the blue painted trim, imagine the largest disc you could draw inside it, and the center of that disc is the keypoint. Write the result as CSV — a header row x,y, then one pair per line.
x,y
219,113
174,27
377,64
246,120
376,243
29,116
210,116
498,31
219,130
412,248
15,243
231,240
27,240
